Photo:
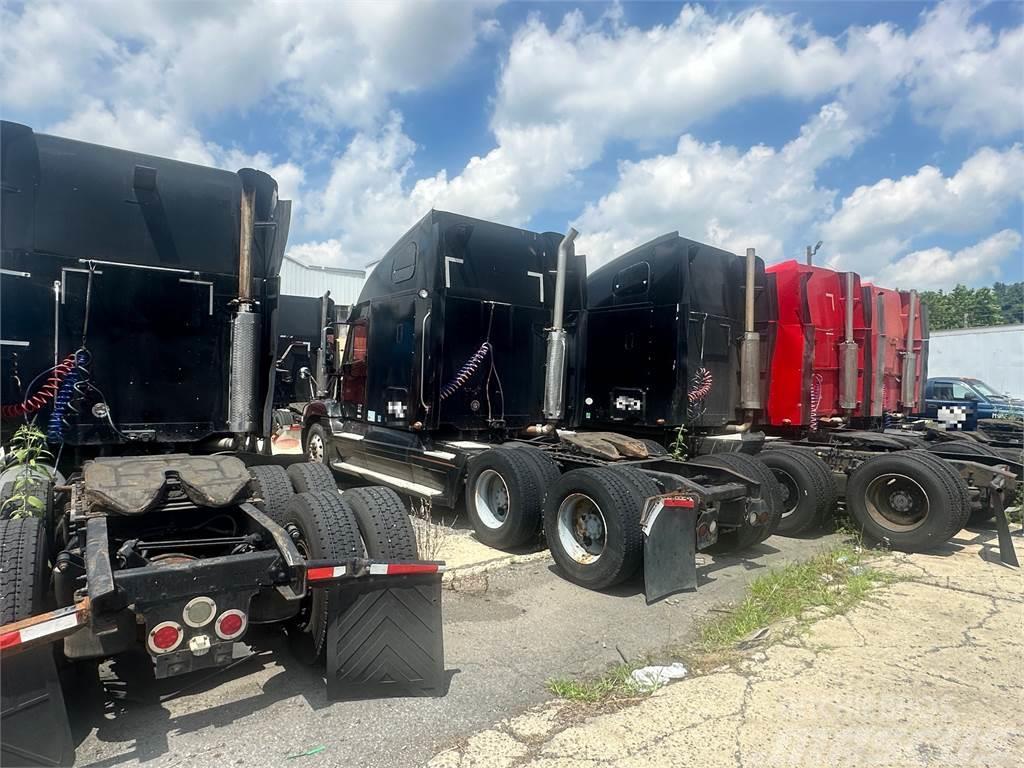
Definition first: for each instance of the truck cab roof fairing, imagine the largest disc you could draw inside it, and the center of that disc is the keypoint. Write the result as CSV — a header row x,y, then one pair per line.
x,y
80,200
473,259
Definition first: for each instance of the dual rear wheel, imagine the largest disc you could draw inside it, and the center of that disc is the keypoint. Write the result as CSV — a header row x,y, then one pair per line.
x,y
326,524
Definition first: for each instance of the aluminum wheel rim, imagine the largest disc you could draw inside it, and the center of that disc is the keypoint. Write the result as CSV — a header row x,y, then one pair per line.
x,y
582,530
791,491
897,502
315,449
492,499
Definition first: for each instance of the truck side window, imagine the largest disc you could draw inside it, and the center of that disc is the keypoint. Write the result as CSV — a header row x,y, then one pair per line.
x,y
633,280
404,265
942,391
960,392
358,344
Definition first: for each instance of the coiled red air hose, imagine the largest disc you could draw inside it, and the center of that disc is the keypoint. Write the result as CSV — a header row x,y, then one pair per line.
x,y
45,394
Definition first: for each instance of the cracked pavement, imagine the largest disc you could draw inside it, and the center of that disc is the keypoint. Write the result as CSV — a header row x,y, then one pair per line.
x,y
509,627
925,673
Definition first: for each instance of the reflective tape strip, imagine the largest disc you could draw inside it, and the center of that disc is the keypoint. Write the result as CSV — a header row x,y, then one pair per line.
x,y
60,621
325,572
398,569
684,503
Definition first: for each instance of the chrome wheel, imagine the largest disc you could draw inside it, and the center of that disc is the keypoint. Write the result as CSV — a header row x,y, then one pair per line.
x,y
582,531
896,502
315,448
492,498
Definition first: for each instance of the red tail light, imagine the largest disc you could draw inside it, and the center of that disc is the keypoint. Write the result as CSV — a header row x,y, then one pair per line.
x,y
230,624
165,637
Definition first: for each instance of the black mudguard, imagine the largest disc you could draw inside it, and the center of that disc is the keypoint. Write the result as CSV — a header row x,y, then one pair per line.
x,y
34,727
384,637
670,548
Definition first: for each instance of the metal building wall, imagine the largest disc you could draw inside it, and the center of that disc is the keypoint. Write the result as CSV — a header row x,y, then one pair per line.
x,y
301,279
994,354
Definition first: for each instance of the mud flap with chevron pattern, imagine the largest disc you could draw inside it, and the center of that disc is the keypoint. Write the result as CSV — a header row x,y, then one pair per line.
x,y
385,638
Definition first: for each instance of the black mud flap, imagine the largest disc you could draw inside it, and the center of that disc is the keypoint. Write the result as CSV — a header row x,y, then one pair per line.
x,y
34,727
670,548
384,638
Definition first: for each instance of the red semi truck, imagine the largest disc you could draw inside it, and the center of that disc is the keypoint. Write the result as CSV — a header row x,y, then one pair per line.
x,y
823,365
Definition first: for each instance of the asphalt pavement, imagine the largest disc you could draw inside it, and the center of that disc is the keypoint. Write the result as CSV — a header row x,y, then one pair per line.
x,y
507,631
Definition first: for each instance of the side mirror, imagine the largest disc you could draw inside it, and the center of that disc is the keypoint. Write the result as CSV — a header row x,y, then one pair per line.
x,y
304,372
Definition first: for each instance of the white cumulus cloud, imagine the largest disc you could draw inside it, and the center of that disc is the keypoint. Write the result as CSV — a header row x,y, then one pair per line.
x,y
876,223
978,264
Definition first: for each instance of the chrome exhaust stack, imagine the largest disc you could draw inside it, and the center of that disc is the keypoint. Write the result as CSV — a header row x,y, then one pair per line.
x,y
242,391
848,355
554,371
878,374
750,350
908,388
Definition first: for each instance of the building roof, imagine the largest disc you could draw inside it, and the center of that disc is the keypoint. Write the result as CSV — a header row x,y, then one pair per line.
x,y
301,279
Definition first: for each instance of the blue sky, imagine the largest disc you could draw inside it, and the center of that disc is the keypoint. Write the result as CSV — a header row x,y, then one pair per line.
x,y
891,131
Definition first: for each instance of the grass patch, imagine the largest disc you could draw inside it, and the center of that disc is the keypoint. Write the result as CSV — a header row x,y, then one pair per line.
x,y
836,580
616,683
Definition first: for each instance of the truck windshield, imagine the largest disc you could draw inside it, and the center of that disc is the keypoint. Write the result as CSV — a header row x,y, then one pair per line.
x,y
985,390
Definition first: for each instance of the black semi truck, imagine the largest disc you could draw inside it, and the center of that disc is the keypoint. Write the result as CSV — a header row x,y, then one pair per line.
x,y
460,375
680,336
139,508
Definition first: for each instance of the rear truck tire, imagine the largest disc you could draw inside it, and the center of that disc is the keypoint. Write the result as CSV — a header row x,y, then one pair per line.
x,y
307,477
654,448
910,500
504,497
592,524
383,522
980,515
808,489
546,466
962,447
323,527
35,729
748,536
272,489
24,569
644,484
314,447
955,482
14,501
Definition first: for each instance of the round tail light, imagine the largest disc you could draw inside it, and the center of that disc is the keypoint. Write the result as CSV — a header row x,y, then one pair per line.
x,y
199,611
165,637
230,624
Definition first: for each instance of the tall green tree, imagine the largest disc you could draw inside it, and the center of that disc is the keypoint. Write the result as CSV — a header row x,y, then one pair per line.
x,y
964,307
1011,301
